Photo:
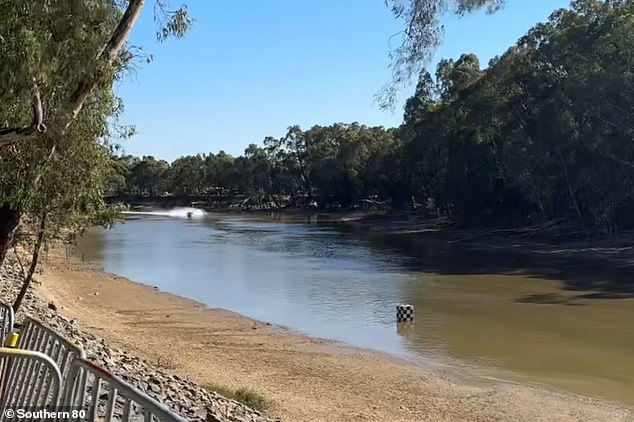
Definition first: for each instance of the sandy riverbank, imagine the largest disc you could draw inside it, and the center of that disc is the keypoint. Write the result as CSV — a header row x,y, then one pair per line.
x,y
303,379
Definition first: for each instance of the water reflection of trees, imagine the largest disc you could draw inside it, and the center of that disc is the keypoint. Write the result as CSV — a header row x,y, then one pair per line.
x,y
590,277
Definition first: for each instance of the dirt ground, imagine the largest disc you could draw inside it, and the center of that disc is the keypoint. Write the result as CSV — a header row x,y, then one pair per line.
x,y
302,378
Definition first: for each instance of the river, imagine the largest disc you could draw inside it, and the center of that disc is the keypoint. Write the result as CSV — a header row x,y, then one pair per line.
x,y
490,312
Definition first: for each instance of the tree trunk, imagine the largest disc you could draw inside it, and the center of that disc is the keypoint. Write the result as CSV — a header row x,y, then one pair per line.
x,y
108,55
572,196
34,258
9,221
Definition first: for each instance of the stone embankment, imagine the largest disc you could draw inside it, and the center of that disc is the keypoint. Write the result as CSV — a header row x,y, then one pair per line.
x,y
180,395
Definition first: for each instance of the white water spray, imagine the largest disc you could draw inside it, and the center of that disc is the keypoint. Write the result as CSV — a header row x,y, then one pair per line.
x,y
182,212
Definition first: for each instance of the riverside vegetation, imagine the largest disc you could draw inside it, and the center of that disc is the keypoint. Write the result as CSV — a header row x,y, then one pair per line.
x,y
542,135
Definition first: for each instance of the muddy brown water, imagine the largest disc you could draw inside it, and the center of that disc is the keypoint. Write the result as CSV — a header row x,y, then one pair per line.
x,y
537,319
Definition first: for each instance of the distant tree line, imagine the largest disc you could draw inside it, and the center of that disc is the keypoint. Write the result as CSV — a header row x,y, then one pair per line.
x,y
544,133
337,164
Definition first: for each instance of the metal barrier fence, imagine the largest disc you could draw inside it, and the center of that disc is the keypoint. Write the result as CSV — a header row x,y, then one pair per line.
x,y
31,380
6,320
47,372
107,398
35,336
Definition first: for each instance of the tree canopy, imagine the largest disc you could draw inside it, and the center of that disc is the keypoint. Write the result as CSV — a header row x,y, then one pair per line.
x,y
544,133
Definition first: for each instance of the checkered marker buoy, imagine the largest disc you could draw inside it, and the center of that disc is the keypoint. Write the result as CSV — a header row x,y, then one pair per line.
x,y
404,313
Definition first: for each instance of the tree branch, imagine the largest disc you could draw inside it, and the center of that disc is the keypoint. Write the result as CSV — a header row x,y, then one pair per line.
x,y
107,56
38,112
34,259
10,136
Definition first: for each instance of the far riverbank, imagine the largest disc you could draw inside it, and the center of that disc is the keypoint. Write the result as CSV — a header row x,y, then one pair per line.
x,y
556,249
557,242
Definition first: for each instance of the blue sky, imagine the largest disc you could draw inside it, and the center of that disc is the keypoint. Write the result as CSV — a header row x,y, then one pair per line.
x,y
251,68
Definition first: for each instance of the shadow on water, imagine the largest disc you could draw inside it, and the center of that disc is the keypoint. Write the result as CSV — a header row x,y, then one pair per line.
x,y
590,278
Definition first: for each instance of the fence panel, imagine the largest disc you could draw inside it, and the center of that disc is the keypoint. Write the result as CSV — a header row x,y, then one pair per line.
x,y
108,398
28,380
35,336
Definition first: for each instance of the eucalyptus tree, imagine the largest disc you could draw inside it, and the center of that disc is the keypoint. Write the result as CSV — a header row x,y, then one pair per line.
x,y
58,54
69,196
187,175
59,61
61,56
148,176
543,133
218,171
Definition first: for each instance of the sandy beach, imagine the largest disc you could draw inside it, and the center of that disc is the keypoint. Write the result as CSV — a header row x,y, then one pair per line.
x,y
301,378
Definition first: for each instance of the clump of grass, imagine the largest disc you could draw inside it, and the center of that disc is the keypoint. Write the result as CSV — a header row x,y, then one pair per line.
x,y
242,395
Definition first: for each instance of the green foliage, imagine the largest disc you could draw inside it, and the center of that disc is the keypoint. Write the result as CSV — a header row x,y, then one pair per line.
x,y
545,132
55,50
51,45
172,23
61,174
340,163
65,183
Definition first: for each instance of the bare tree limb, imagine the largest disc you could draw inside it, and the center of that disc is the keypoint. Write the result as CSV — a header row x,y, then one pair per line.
x,y
48,158
34,260
38,112
10,136
17,257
